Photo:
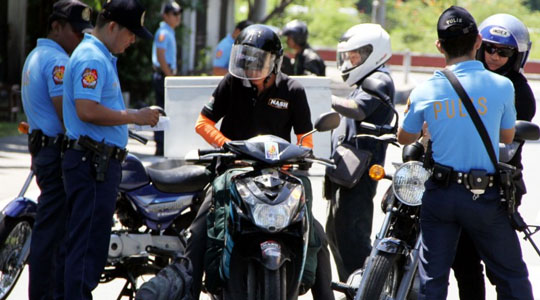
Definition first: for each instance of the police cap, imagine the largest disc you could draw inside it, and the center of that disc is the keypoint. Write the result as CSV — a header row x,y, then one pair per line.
x,y
454,22
128,13
171,7
75,12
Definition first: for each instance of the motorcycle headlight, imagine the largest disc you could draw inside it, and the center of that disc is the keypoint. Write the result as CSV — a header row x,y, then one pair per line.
x,y
269,215
408,182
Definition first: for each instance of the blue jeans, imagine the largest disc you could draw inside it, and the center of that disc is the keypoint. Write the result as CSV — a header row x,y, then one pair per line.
x,y
446,211
46,261
91,206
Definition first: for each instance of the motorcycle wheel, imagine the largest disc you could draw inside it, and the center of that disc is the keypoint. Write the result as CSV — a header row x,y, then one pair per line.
x,y
14,234
259,284
382,281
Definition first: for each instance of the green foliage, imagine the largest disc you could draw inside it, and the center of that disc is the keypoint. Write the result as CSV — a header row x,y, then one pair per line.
x,y
413,24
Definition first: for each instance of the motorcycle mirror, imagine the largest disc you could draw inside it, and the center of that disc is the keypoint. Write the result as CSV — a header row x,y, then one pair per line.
x,y
327,121
527,131
160,109
376,88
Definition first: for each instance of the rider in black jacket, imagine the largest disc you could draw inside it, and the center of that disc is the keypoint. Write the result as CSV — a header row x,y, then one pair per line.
x,y
306,60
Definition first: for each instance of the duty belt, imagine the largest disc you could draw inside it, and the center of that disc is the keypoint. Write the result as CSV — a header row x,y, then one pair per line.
x,y
107,151
46,140
477,181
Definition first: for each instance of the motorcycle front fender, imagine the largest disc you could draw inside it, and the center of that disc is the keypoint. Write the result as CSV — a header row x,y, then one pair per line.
x,y
272,256
392,245
20,207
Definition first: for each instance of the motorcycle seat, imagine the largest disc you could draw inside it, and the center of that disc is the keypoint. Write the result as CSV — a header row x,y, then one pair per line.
x,y
182,179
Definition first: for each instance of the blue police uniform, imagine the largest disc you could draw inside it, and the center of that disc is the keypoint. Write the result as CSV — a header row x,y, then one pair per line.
x,y
447,209
90,74
223,52
163,39
42,80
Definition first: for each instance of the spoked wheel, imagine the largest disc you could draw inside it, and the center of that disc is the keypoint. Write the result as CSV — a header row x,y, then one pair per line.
x,y
14,249
382,281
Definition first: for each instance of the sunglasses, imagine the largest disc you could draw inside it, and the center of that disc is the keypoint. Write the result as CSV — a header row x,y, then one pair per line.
x,y
501,51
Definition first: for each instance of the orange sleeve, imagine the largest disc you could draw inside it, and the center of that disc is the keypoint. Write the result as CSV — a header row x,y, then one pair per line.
x,y
307,142
207,129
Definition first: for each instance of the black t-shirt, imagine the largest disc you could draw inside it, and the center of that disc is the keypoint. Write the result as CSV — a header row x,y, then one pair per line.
x,y
276,111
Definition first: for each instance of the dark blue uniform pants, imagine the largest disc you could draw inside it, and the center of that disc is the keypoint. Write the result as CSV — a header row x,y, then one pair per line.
x,y
349,223
91,207
45,260
448,211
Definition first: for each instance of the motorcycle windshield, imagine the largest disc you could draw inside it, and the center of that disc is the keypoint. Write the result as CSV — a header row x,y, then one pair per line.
x,y
269,149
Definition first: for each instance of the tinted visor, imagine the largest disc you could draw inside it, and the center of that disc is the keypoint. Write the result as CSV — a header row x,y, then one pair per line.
x,y
251,63
348,60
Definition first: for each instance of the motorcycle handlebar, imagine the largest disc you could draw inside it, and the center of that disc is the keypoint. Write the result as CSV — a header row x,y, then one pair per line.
x,y
138,138
203,152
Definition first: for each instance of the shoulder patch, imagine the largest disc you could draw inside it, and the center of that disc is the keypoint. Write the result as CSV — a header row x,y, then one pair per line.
x,y
161,37
89,78
58,74
408,105
219,53
278,103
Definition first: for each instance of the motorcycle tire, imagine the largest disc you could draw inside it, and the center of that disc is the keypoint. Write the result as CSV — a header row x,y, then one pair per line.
x,y
382,280
260,284
14,234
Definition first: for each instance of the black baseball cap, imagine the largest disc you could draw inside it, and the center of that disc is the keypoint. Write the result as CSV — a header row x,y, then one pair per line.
x,y
128,13
454,22
171,7
75,12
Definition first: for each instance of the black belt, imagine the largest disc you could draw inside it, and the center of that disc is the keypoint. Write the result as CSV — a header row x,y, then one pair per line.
x,y
477,181
48,140
117,153
462,178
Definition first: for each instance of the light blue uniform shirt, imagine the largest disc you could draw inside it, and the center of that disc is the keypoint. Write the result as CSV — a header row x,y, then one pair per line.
x,y
91,74
223,52
164,39
42,79
456,142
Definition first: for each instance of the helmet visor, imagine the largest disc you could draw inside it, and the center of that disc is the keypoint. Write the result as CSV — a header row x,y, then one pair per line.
x,y
348,60
251,63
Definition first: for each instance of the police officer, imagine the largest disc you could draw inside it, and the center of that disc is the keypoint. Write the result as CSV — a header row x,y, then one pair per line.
x,y
306,60
96,125
505,48
223,49
448,206
164,58
241,102
362,52
42,88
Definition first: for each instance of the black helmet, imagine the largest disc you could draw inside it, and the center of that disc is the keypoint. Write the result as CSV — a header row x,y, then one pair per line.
x,y
297,30
256,53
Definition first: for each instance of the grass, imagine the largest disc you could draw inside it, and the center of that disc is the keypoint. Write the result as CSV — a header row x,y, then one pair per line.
x,y
10,128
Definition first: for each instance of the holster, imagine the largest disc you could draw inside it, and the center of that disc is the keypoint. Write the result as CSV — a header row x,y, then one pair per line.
x,y
34,142
101,155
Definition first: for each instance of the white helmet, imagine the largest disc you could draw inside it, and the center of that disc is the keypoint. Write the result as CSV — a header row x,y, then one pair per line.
x,y
361,50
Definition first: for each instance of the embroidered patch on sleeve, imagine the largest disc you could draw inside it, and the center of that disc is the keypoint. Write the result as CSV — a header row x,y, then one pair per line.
x,y
161,37
219,54
89,78
58,74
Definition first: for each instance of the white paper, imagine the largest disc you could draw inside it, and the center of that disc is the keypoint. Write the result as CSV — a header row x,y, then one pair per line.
x,y
163,124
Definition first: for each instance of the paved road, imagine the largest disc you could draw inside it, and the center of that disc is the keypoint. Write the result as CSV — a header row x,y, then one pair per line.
x,y
14,164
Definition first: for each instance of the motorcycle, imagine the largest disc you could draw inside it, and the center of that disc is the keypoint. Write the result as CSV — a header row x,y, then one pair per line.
x,y
155,205
264,221
390,270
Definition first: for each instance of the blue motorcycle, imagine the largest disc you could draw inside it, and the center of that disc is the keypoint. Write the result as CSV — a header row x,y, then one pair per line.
x,y
155,205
